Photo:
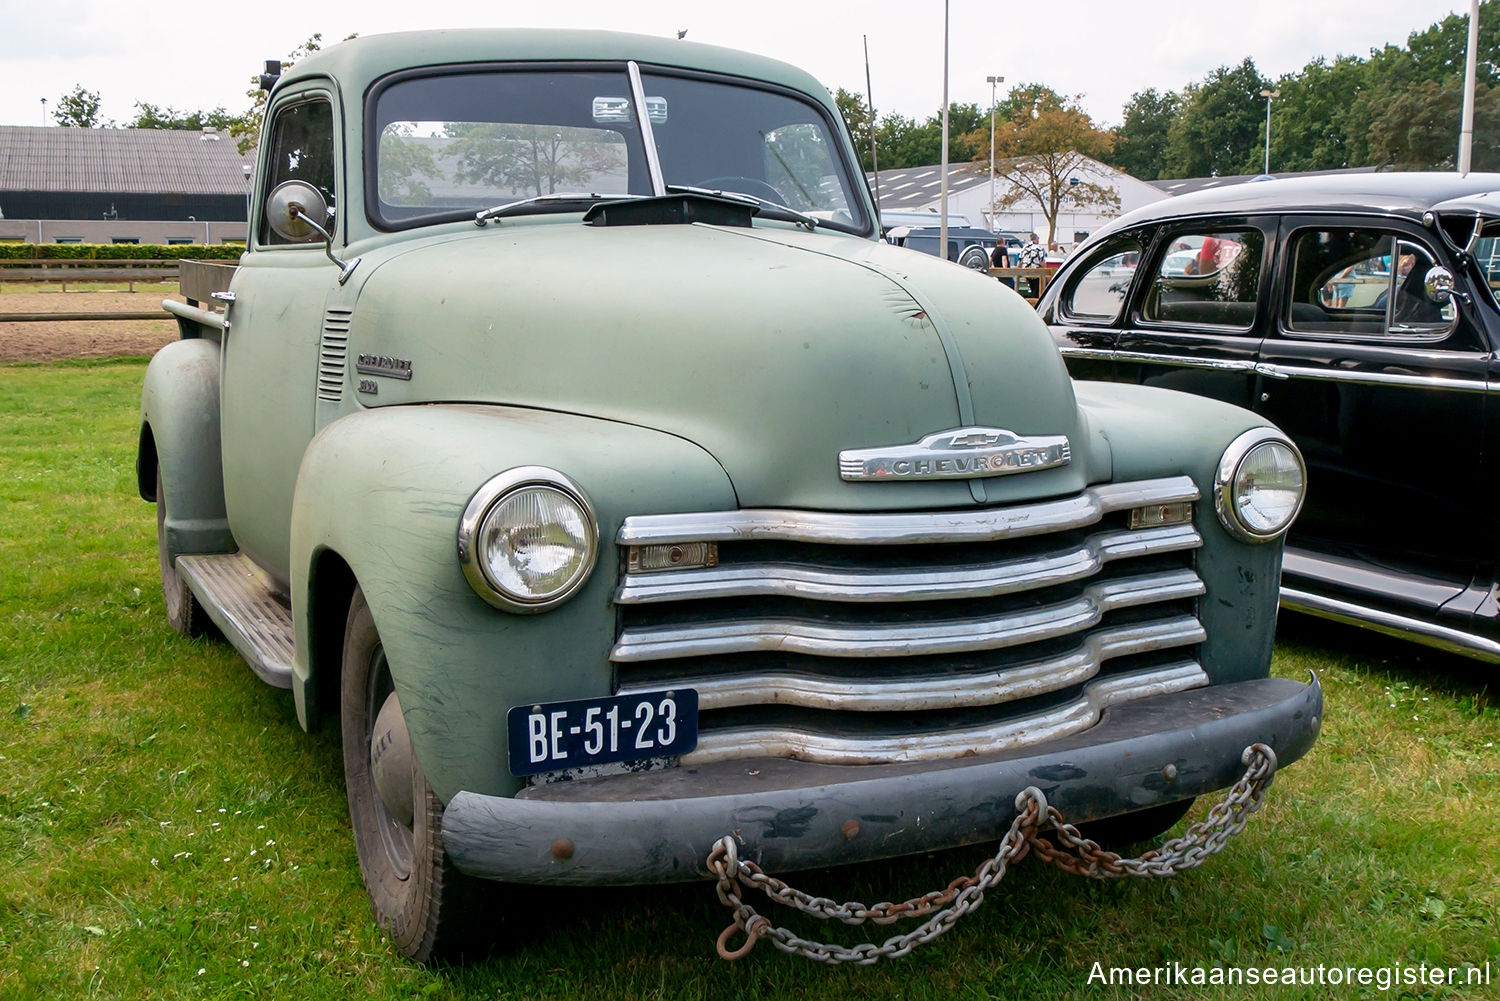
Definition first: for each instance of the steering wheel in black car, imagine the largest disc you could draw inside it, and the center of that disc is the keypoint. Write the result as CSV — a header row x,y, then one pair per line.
x,y
745,186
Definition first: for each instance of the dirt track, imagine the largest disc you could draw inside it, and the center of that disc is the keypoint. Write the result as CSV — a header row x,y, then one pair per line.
x,y
45,341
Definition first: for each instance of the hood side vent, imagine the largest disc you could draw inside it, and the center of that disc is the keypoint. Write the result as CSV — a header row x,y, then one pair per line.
x,y
333,354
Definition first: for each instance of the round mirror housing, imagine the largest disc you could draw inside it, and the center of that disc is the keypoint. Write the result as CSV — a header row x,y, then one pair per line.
x,y
296,211
1438,284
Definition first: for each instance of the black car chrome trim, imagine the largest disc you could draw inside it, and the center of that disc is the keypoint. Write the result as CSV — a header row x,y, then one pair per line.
x,y
981,525
1372,378
1184,361
1402,626
1097,354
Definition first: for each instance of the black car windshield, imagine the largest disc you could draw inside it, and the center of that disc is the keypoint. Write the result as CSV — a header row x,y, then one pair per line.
x,y
446,146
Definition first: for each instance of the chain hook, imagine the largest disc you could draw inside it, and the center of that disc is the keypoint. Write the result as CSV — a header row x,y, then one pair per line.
x,y
752,935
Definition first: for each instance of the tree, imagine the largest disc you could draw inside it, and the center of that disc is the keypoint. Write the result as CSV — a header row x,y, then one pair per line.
x,y
1042,153
149,116
861,124
532,159
1220,129
1419,128
247,126
1311,123
1141,142
80,110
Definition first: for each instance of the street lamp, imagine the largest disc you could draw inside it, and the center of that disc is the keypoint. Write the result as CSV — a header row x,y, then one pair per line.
x,y
1269,95
992,81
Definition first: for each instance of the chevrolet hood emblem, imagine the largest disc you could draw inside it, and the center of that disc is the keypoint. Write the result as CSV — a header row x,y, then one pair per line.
x,y
960,453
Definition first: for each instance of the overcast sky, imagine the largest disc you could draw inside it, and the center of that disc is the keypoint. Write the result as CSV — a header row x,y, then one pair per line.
x,y
202,54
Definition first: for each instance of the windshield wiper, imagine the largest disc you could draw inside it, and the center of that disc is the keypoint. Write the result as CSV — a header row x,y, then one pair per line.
x,y
776,208
560,197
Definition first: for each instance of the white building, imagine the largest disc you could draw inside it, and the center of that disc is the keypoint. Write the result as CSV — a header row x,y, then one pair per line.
x,y
919,189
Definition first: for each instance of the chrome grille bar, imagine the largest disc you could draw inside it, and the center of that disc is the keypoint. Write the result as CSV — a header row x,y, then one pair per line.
x,y
903,639
971,581
989,738
983,525
936,691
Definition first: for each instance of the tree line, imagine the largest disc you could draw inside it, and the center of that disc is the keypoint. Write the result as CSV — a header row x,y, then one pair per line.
x,y
1398,108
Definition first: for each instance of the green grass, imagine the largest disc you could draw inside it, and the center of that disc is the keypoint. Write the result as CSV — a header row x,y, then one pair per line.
x,y
166,830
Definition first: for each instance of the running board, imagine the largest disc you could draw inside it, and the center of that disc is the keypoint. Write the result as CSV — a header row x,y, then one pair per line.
x,y
241,600
1405,627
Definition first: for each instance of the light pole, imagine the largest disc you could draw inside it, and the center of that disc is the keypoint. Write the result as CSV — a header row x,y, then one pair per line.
x,y
992,81
44,111
943,190
1466,129
1269,95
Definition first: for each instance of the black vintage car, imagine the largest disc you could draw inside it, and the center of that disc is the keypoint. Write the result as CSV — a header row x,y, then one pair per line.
x,y
1357,312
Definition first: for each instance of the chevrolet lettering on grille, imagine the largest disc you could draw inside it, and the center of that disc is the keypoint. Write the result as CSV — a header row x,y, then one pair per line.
x,y
960,453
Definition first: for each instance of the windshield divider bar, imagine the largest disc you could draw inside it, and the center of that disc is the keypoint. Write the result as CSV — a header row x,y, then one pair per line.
x,y
653,158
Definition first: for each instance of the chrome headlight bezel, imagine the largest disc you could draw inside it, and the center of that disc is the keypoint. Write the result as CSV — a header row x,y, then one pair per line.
x,y
1227,484
471,527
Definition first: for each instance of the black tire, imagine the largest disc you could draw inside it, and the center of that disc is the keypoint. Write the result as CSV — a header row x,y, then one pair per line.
x,y
184,613
1128,829
420,900
976,258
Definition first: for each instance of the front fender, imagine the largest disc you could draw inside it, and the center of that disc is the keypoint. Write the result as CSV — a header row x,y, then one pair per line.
x,y
384,490
180,435
1158,432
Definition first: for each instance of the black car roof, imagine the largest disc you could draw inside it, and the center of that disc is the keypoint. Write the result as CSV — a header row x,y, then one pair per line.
x,y
1396,193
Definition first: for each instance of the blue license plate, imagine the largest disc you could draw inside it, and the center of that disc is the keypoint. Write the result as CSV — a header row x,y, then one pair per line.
x,y
551,736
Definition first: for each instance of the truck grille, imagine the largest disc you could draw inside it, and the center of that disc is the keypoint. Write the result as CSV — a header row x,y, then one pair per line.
x,y
875,638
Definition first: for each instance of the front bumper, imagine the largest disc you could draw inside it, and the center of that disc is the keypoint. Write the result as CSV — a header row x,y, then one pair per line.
x,y
658,827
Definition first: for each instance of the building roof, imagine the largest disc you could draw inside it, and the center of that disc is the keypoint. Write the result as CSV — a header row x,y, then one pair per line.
x,y
916,187
120,161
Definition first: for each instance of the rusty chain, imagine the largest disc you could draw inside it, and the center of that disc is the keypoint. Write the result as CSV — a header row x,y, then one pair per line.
x,y
942,908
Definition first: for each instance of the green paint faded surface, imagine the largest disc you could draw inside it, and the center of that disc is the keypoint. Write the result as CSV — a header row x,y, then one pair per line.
x,y
666,368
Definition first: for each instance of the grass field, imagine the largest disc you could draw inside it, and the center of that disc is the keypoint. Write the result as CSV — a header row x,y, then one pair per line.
x,y
167,831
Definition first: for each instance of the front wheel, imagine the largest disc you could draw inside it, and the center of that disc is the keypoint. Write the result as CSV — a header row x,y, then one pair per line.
x,y
418,897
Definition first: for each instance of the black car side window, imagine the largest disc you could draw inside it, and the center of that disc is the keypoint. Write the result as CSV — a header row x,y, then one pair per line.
x,y
1207,278
1099,292
301,149
1362,282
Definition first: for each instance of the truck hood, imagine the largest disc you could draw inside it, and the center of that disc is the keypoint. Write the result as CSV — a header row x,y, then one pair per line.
x,y
771,348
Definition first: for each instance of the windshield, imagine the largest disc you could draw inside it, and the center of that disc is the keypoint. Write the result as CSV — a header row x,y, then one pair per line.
x,y
448,146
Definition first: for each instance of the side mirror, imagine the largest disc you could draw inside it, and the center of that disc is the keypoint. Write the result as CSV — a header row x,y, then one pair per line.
x,y
297,212
1438,284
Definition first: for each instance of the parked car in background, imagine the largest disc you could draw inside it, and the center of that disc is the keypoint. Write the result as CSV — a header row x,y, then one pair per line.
x,y
967,246
1356,313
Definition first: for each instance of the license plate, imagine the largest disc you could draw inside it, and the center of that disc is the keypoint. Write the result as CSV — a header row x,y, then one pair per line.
x,y
556,735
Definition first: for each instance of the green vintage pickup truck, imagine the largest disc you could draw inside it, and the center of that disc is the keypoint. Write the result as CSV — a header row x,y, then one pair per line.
x,y
569,434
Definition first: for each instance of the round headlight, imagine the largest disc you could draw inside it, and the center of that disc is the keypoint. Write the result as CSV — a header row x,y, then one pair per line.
x,y
1259,486
528,539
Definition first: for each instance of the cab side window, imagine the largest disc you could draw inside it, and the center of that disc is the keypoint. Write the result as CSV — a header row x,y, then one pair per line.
x,y
1099,292
1207,278
301,149
1363,282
